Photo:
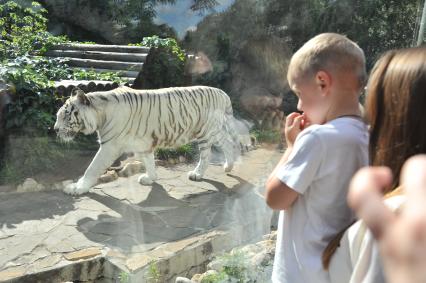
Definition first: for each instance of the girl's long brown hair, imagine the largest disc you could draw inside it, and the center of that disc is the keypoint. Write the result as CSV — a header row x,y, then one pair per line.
x,y
396,112
396,109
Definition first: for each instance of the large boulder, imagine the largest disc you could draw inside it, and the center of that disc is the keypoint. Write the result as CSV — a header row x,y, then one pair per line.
x,y
82,19
162,68
262,107
259,78
262,61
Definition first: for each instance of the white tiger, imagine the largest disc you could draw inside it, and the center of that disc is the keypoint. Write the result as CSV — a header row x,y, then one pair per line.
x,y
139,121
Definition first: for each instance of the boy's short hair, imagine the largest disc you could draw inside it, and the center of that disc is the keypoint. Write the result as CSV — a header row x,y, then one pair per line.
x,y
328,52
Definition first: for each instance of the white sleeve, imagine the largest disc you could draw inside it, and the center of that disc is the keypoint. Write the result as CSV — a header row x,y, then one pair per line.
x,y
303,164
367,265
365,251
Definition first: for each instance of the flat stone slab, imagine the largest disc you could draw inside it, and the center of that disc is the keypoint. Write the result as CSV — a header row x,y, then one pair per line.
x,y
123,227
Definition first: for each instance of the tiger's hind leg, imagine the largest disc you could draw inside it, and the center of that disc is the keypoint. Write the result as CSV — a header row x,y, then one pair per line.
x,y
226,144
205,151
150,175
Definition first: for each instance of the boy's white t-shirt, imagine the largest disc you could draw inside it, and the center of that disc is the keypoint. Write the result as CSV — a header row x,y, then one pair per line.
x,y
320,167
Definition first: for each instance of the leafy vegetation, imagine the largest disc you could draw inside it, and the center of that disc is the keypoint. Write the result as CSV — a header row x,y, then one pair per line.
x,y
215,278
266,136
153,272
376,25
234,268
24,30
189,151
124,277
169,43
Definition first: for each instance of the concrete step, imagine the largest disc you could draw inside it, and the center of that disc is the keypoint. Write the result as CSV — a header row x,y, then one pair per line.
x,y
129,79
121,73
98,55
100,47
102,64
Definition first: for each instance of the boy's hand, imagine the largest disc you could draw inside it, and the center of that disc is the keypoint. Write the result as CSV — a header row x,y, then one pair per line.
x,y
294,124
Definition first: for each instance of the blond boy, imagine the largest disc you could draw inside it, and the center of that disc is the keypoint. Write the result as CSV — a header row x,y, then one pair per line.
x,y
327,144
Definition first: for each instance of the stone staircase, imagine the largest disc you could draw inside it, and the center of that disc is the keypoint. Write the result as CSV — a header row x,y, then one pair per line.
x,y
126,60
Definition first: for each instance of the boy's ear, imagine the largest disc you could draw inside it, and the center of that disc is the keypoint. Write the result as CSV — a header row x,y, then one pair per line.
x,y
323,80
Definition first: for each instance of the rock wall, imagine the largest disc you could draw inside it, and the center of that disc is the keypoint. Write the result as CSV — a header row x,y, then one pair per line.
x,y
80,19
251,263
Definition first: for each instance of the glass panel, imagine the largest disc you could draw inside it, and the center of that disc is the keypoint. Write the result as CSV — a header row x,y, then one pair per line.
x,y
136,136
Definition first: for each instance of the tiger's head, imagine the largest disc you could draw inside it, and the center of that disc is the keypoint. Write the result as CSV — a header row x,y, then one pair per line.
x,y
75,116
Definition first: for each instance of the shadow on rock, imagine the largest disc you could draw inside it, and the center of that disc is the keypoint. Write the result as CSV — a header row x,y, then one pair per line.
x,y
161,218
16,208
158,219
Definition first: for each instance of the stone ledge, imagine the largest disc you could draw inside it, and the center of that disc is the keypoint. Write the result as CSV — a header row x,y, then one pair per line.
x,y
83,254
180,258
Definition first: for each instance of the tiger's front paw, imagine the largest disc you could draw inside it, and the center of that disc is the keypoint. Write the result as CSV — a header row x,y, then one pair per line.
x,y
145,180
75,189
194,176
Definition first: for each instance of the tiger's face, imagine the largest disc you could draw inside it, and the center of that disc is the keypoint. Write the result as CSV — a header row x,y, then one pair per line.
x,y
68,121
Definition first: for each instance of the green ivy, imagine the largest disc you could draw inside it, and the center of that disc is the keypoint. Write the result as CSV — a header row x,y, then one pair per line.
x,y
188,151
33,101
24,31
79,74
170,43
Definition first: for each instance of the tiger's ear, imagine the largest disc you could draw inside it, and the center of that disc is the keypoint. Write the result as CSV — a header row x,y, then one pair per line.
x,y
81,96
